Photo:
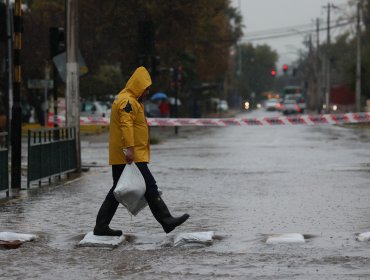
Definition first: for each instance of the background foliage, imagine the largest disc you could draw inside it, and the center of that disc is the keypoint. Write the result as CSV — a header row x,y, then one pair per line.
x,y
194,34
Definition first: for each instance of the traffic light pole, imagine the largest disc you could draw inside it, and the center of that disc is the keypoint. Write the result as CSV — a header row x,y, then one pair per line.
x,y
16,125
57,46
55,95
9,65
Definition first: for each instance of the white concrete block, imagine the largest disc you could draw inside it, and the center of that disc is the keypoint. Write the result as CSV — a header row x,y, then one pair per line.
x,y
91,240
285,238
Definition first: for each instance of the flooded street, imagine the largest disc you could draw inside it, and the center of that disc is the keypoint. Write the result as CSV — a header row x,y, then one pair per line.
x,y
244,183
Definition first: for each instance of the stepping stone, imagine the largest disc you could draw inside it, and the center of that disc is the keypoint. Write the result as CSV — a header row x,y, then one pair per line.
x,y
203,238
365,236
91,240
285,238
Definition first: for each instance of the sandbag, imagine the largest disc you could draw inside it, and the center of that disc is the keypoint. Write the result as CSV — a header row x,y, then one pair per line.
x,y
285,238
130,189
11,236
204,238
365,236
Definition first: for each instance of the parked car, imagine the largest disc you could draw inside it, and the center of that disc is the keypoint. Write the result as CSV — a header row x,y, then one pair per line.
x,y
272,104
94,109
290,106
222,105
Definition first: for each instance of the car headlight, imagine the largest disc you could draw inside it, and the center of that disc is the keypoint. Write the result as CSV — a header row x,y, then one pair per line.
x,y
246,105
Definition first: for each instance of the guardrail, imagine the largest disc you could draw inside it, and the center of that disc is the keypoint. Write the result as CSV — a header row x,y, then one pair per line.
x,y
4,168
51,152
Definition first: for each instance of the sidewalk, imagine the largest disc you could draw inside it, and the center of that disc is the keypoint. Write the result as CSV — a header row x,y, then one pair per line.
x,y
94,153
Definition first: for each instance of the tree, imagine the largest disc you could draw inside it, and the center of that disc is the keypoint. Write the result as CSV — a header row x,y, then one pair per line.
x,y
107,81
343,55
37,19
194,34
257,63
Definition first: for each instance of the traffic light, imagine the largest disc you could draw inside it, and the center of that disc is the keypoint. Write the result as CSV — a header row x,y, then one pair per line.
x,y
3,19
146,37
285,68
57,41
273,73
155,64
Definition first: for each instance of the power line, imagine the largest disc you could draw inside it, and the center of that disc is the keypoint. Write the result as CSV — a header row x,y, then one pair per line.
x,y
290,32
280,29
296,27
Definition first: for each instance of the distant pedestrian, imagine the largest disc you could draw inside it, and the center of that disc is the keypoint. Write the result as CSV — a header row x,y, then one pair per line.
x,y
129,144
164,109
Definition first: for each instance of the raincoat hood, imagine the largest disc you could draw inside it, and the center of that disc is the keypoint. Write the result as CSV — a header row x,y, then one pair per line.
x,y
138,82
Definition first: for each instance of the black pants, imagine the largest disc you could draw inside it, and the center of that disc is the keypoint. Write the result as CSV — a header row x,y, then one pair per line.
x,y
151,185
110,204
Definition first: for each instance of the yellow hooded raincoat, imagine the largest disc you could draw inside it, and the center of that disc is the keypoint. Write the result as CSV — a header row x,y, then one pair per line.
x,y
128,126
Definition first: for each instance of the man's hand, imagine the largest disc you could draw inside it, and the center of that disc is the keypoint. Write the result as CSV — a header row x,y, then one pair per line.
x,y
129,154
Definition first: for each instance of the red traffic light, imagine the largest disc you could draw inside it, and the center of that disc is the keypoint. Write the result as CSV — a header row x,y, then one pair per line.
x,y
285,68
273,73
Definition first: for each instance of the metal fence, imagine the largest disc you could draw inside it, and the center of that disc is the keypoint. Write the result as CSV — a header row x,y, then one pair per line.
x,y
51,152
4,168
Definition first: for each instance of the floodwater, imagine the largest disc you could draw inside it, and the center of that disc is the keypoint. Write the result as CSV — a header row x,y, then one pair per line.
x,y
243,183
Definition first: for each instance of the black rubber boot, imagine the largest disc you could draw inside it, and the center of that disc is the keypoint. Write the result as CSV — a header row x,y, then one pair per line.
x,y
104,217
162,214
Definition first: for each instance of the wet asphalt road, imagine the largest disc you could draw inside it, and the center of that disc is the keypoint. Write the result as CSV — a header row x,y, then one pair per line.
x,y
244,183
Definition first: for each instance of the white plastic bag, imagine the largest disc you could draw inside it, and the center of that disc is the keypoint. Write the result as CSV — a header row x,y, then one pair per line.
x,y
130,189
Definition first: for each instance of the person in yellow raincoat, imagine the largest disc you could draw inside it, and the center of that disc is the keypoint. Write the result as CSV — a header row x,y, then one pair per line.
x,y
129,144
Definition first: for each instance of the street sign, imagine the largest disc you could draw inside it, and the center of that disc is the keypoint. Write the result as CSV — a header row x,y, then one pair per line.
x,y
40,84
60,64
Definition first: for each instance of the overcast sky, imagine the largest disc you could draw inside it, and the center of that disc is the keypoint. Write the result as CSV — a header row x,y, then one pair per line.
x,y
261,15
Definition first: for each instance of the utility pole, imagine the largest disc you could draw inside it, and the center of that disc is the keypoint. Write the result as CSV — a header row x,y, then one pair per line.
x,y
16,122
328,62
318,68
358,60
72,75
239,71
